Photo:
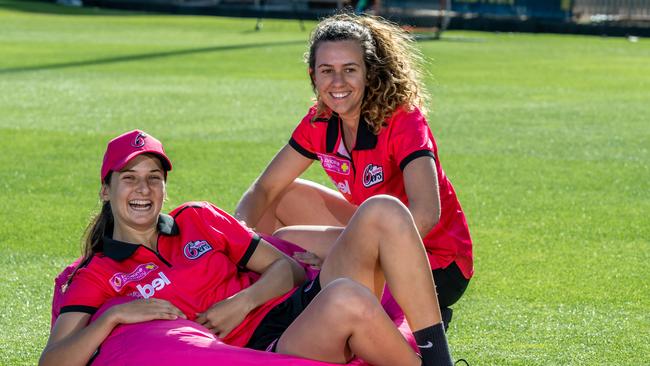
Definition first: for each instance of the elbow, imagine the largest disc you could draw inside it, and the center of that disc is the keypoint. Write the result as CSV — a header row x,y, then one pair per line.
x,y
426,222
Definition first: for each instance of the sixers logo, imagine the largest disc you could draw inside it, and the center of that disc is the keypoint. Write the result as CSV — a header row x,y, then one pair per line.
x,y
120,279
372,174
139,140
195,249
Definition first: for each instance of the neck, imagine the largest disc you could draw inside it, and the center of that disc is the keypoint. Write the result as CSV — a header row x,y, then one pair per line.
x,y
147,237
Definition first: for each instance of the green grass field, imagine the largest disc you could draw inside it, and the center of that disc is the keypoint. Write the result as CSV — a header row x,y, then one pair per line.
x,y
545,137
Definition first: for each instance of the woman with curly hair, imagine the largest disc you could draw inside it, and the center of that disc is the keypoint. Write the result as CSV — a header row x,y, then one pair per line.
x,y
369,132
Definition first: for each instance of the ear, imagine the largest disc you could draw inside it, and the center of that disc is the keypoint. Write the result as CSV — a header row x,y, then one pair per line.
x,y
104,193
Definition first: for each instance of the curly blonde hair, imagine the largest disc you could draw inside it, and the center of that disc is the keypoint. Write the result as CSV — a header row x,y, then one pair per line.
x,y
394,77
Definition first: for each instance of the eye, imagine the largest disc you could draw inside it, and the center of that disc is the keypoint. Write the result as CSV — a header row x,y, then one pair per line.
x,y
350,69
326,71
127,177
155,178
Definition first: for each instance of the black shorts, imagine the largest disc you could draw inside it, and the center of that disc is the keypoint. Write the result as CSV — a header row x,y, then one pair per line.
x,y
282,315
450,284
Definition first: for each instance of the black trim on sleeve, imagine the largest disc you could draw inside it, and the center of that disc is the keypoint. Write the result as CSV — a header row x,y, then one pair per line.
x,y
78,309
414,155
249,252
304,152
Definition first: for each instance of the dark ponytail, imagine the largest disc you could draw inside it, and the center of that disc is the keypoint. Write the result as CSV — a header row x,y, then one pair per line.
x,y
101,225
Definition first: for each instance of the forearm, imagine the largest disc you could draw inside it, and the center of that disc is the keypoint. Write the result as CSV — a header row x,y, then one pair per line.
x,y
252,205
78,348
278,279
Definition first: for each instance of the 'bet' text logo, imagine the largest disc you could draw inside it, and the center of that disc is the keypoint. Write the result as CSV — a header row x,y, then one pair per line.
x,y
344,186
157,284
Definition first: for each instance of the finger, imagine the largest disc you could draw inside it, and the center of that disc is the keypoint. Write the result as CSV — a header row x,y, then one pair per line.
x,y
302,254
201,319
173,309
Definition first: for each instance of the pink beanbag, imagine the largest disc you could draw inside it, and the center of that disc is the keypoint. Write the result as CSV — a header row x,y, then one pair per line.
x,y
183,342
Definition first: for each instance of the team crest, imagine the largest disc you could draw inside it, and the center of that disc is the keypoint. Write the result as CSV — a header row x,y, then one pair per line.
x,y
372,174
195,249
139,140
120,279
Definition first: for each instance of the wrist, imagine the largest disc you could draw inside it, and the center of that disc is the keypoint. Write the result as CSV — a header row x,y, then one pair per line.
x,y
111,317
247,300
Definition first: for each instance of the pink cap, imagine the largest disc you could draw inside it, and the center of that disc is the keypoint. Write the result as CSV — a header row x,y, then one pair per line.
x,y
127,146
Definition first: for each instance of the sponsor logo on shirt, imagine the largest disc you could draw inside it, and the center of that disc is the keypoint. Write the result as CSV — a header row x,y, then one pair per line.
x,y
344,186
195,249
120,279
372,174
334,165
156,285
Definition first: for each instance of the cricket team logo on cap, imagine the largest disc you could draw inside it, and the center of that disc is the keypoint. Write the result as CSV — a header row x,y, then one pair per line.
x,y
372,174
139,140
120,279
195,249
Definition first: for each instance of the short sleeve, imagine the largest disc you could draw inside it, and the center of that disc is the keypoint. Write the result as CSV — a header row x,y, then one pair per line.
x,y
303,137
411,137
85,293
239,241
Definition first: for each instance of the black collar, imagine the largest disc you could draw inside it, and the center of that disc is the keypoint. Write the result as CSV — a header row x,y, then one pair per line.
x,y
366,139
120,250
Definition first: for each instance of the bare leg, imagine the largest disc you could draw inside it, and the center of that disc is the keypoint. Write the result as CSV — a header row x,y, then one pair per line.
x,y
306,203
381,241
313,238
345,319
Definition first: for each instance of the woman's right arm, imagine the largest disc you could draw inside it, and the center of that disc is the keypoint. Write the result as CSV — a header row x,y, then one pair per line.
x,y
286,166
73,341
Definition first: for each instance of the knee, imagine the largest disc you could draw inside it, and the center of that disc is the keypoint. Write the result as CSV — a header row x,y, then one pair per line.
x,y
282,233
351,301
381,209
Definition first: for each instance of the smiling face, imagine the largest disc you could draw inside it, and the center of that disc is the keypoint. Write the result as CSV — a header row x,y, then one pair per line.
x,y
339,76
136,194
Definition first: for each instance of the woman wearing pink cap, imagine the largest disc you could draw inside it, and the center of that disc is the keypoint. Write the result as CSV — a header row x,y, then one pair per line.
x,y
192,264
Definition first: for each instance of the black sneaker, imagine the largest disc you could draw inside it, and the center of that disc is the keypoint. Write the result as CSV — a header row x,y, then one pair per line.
x,y
446,314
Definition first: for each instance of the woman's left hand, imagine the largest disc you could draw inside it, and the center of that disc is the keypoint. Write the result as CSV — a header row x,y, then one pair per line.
x,y
224,316
309,259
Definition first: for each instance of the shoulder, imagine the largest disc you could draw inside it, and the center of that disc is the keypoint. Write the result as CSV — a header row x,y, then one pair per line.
x,y
197,208
314,118
405,115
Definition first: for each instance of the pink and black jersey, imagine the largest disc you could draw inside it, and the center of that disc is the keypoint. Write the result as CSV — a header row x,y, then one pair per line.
x,y
375,166
202,252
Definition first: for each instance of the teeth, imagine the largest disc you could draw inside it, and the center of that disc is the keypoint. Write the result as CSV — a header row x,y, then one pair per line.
x,y
340,95
139,202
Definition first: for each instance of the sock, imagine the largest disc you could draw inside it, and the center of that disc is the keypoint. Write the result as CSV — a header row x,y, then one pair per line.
x,y
433,347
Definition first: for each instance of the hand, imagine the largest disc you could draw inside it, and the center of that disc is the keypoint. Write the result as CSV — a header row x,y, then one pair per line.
x,y
308,258
143,310
224,316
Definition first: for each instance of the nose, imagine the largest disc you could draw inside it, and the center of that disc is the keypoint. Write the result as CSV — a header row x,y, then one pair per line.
x,y
338,78
143,186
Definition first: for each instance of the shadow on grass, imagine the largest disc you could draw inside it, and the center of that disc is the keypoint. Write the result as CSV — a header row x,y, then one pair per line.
x,y
145,56
50,7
